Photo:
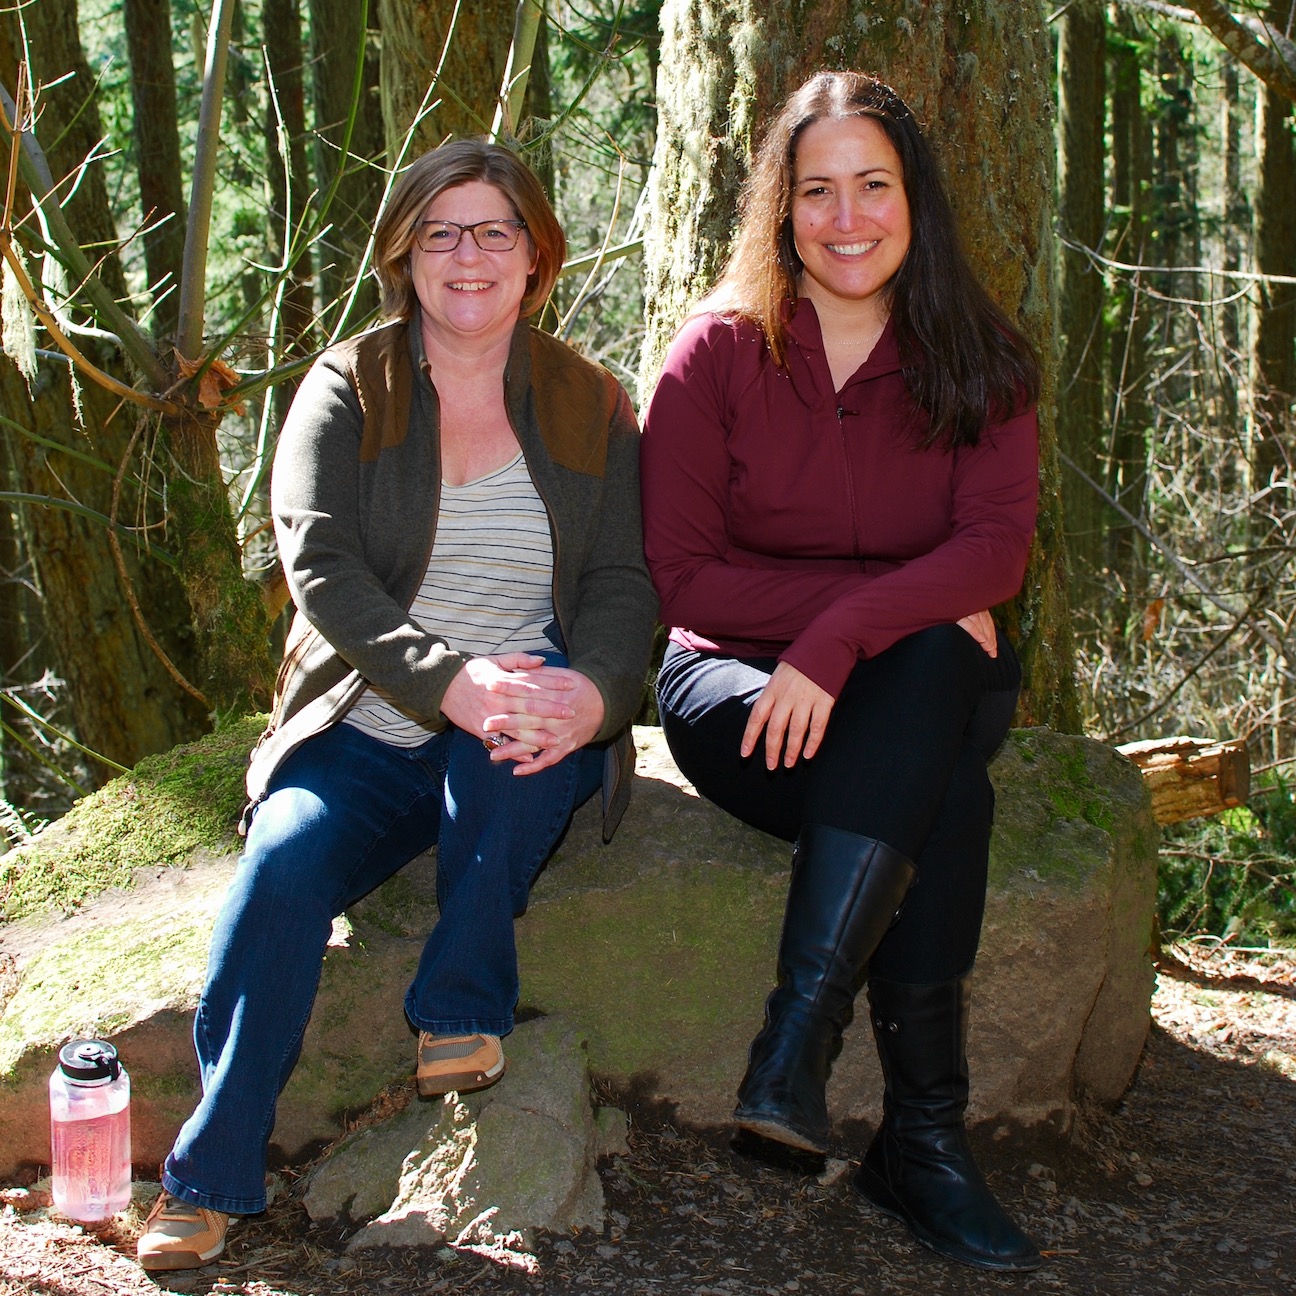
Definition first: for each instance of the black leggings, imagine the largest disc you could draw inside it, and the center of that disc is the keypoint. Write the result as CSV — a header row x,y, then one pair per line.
x,y
903,760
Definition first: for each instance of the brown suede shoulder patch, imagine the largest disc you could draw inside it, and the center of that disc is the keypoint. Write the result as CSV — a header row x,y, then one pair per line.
x,y
574,403
380,373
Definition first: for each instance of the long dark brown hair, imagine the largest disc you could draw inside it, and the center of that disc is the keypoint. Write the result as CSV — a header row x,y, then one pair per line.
x,y
964,362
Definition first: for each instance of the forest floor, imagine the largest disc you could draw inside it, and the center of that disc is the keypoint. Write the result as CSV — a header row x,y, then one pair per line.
x,y
1188,1187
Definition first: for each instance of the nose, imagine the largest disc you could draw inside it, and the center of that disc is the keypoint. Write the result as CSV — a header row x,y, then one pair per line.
x,y
847,214
467,252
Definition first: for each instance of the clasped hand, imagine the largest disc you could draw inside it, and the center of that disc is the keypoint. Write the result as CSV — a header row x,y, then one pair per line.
x,y
547,712
793,710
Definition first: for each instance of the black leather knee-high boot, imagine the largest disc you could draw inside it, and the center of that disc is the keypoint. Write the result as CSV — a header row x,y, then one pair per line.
x,y
919,1167
844,892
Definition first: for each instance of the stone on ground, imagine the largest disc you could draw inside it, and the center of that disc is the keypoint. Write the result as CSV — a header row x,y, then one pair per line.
x,y
481,1170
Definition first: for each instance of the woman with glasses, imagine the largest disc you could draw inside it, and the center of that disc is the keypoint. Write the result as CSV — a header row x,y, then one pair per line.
x,y
456,503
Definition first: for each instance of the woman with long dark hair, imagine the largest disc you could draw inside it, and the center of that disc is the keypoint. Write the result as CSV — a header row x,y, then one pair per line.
x,y
839,478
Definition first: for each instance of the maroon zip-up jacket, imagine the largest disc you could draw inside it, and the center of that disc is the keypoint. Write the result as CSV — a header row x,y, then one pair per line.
x,y
784,519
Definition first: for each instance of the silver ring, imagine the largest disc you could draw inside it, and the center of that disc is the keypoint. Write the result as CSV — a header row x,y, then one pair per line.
x,y
493,740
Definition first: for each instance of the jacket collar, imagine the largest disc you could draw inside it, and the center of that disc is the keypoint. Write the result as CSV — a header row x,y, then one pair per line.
x,y
802,323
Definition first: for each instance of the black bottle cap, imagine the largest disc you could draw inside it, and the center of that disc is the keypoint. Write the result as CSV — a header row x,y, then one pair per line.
x,y
85,1061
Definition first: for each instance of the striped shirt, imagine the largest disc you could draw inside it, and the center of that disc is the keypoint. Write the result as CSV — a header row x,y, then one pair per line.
x,y
488,587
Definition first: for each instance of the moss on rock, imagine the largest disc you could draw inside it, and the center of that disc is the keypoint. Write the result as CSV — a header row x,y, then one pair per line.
x,y
157,816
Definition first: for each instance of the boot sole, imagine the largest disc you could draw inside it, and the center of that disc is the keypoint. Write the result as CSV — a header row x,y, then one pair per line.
x,y
438,1086
779,1133
161,1261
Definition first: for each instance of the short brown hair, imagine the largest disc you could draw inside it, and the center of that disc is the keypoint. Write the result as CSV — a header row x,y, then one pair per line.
x,y
456,163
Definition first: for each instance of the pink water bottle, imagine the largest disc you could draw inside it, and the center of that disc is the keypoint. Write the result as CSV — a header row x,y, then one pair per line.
x,y
90,1144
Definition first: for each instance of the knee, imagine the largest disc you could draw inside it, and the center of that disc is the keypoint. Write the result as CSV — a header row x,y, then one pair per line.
x,y
286,855
945,650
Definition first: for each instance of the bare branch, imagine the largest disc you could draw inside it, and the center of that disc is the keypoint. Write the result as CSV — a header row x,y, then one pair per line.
x,y
36,175
1252,41
517,68
193,276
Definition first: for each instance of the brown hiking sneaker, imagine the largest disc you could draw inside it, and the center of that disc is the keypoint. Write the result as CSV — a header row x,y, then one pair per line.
x,y
178,1235
457,1062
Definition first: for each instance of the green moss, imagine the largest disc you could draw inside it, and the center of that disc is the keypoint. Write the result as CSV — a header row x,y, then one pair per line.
x,y
167,807
659,959
1071,789
65,989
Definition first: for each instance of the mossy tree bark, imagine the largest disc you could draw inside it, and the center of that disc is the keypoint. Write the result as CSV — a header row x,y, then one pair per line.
x,y
414,36
124,702
977,75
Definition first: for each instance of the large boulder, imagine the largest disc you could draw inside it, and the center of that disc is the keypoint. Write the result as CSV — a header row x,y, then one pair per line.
x,y
659,948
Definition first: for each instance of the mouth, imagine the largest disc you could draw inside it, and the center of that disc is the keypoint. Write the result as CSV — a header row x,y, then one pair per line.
x,y
469,285
853,249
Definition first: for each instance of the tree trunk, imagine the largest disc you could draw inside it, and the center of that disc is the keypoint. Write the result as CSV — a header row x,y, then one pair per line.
x,y
124,702
1082,56
414,36
288,180
157,147
979,80
22,663
1274,364
1237,220
1130,418
337,39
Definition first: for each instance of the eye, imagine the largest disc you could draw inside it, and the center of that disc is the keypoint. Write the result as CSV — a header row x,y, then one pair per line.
x,y
437,232
498,233
814,191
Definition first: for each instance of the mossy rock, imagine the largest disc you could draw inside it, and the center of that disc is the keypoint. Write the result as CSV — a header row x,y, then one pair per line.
x,y
659,948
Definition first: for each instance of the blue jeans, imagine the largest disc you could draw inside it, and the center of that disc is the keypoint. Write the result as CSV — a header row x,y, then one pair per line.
x,y
343,813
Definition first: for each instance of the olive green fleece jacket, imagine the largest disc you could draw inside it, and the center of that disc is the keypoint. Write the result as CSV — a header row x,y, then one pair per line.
x,y
355,494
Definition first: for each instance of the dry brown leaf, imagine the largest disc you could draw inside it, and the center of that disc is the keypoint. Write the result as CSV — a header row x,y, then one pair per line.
x,y
217,379
1152,618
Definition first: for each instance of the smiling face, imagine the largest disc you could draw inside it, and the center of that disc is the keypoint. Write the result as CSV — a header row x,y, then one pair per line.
x,y
850,213
468,294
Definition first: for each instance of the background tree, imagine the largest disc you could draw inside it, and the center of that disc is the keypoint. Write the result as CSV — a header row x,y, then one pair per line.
x,y
463,46
64,444
339,29
978,78
1082,220
157,143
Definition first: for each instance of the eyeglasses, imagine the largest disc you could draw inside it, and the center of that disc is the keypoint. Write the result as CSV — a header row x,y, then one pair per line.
x,y
490,235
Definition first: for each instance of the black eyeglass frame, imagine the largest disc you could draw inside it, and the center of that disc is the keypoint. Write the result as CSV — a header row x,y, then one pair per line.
x,y
420,226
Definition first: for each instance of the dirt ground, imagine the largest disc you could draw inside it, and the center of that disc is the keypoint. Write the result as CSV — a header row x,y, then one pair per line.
x,y
1188,1187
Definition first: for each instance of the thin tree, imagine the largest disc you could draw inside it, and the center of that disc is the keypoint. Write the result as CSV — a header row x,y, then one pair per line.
x,y
1082,218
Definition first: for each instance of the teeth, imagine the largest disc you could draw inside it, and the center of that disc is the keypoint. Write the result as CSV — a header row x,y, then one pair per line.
x,y
469,287
852,249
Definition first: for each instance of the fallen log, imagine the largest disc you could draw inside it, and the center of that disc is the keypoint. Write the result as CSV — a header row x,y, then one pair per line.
x,y
1191,778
